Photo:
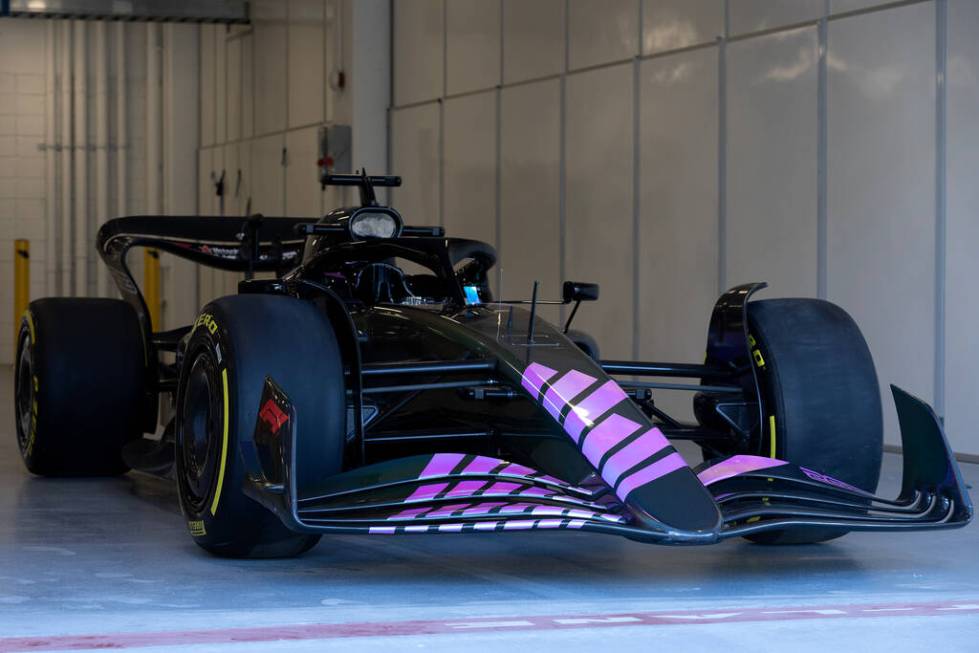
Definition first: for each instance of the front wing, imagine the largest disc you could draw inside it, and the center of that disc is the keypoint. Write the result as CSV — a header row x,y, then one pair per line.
x,y
459,493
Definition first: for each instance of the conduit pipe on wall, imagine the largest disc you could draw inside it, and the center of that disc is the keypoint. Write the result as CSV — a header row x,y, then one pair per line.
x,y
154,148
64,152
122,139
50,163
101,146
81,142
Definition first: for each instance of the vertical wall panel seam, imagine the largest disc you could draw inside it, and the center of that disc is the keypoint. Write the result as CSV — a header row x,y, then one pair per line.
x,y
285,137
499,163
445,48
498,212
440,200
563,161
390,125
821,154
566,19
636,188
722,154
941,225
214,101
441,143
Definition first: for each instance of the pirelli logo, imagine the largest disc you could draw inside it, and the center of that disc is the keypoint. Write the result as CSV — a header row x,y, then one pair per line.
x,y
207,321
197,528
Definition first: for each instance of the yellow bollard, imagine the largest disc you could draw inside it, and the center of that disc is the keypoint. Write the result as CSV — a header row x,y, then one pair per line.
x,y
151,285
22,282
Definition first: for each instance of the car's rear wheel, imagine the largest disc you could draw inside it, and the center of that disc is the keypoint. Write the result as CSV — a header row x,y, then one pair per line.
x,y
79,380
822,402
236,344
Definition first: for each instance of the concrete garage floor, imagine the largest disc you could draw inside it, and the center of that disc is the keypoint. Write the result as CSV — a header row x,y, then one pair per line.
x,y
107,564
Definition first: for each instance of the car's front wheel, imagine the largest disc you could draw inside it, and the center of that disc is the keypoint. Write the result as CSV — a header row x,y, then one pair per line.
x,y
822,402
236,344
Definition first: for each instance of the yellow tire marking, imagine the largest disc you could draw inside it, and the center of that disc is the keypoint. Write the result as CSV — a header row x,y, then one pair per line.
x,y
771,427
224,443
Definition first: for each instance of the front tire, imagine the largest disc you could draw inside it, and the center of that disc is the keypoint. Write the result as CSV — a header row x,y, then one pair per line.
x,y
820,392
237,342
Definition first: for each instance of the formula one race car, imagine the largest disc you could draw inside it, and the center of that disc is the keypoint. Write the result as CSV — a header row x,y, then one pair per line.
x,y
375,386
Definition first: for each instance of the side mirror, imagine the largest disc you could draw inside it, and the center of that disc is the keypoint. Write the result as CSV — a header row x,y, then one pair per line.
x,y
579,291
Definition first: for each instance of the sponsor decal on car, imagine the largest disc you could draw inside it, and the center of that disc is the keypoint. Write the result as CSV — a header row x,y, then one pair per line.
x,y
207,321
272,415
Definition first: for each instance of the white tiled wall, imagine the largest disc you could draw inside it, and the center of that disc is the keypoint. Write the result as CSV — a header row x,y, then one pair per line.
x,y
728,145
26,195
22,191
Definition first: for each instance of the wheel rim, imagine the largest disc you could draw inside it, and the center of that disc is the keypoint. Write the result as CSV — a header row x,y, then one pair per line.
x,y
200,424
24,394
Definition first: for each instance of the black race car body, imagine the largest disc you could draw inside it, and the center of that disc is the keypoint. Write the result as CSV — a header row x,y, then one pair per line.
x,y
465,413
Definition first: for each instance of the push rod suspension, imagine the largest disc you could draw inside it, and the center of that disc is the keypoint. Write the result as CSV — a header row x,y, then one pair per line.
x,y
428,367
680,370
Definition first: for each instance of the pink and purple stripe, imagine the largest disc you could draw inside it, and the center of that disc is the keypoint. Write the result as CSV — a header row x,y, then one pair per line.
x,y
534,378
648,444
482,465
603,431
564,390
650,473
735,466
609,432
427,491
586,412
441,464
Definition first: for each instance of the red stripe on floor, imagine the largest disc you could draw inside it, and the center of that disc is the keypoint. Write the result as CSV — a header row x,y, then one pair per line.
x,y
475,624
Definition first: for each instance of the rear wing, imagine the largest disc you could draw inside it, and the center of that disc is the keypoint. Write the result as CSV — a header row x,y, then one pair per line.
x,y
245,245
238,245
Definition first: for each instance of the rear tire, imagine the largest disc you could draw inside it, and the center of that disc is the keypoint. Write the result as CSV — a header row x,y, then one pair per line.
x,y
237,342
820,392
79,386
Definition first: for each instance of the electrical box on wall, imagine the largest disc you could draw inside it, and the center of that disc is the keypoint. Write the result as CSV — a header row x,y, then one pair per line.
x,y
334,150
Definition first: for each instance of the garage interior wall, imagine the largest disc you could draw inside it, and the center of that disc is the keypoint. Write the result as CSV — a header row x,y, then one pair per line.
x,y
90,128
670,149
267,88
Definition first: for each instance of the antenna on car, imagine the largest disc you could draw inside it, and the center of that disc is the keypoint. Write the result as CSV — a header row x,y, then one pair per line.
x,y
533,313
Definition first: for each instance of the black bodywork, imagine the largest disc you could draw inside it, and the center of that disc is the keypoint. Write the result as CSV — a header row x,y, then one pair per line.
x,y
467,413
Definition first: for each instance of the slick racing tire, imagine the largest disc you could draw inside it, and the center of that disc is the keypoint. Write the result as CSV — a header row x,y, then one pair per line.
x,y
79,382
237,343
820,392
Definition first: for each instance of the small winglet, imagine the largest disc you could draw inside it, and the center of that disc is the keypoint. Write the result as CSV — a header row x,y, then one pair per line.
x,y
928,460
